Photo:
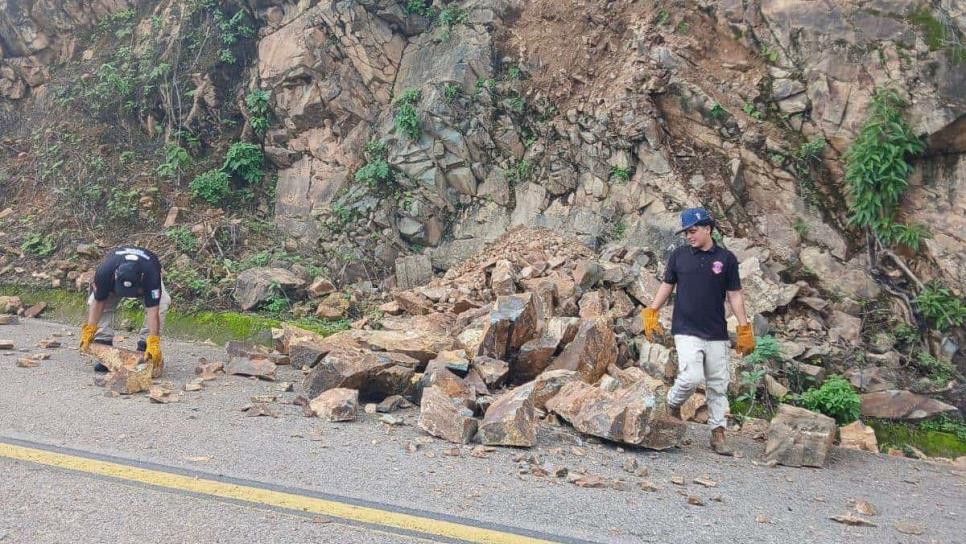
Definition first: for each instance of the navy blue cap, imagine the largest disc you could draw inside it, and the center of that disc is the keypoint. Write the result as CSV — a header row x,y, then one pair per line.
x,y
694,216
127,279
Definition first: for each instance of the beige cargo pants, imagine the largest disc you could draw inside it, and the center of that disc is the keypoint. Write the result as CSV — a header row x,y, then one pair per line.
x,y
702,360
105,326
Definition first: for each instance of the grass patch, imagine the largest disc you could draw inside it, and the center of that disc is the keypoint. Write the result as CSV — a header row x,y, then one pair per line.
x,y
219,327
932,443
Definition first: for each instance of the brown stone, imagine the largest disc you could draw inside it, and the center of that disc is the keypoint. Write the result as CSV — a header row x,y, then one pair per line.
x,y
128,381
9,305
593,349
513,322
503,279
593,305
420,344
320,287
206,370
35,310
858,436
798,437
8,319
235,348
6,344
587,274
365,371
393,403
446,417
333,306
115,358
163,394
259,367
509,421
337,404
534,357
774,387
548,384
564,329
390,308
870,379
27,362
413,303
492,371
902,405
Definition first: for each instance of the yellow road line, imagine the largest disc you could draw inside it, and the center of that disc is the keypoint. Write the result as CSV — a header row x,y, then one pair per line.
x,y
278,499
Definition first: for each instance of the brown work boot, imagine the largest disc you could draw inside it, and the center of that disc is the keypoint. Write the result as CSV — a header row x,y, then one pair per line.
x,y
718,443
673,411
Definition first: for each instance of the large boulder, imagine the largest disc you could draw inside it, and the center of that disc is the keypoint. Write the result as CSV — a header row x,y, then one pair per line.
x,y
375,375
902,405
858,436
798,437
592,350
512,323
257,286
446,416
633,415
510,420
336,404
418,343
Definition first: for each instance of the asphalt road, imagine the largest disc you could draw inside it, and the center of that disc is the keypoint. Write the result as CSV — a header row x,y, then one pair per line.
x,y
57,406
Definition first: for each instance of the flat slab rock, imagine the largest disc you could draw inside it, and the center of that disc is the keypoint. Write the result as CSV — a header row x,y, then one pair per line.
x,y
445,416
337,404
262,368
902,405
799,437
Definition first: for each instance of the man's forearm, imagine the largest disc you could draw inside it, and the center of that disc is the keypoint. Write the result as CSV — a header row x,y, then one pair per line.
x,y
663,292
96,311
737,302
152,320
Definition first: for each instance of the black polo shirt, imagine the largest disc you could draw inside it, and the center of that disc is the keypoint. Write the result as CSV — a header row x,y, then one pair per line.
x,y
702,279
103,284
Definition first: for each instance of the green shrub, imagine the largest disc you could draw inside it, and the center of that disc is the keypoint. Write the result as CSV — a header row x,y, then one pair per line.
x,y
941,308
811,150
835,398
451,91
766,349
717,112
420,7
36,244
183,239
407,121
175,160
257,104
122,205
375,173
245,161
877,168
751,110
620,174
212,186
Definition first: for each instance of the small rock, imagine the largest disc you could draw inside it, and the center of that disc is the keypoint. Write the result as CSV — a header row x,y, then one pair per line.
x,y
677,480
338,404
259,409
908,528
194,385
163,394
48,344
648,486
370,408
6,344
589,481
8,319
858,436
865,508
696,501
630,465
27,362
849,519
262,368
705,481
391,420
393,403
35,310
762,519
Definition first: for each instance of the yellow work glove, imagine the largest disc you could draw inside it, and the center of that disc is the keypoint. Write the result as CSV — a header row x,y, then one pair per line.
x,y
87,335
746,340
152,353
650,323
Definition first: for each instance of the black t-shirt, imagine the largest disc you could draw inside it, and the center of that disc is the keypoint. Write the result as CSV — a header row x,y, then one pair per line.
x,y
702,278
150,268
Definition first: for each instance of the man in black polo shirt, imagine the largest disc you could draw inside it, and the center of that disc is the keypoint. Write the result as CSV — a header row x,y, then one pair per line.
x,y
127,272
706,275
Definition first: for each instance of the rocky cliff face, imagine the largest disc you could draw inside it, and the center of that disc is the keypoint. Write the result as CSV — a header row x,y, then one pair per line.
x,y
597,119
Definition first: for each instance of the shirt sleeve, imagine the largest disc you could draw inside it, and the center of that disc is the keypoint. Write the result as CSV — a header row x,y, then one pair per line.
x,y
670,271
103,282
733,282
152,284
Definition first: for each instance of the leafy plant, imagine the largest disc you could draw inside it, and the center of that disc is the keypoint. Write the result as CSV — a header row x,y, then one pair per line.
x,y
766,349
717,112
484,84
183,239
39,245
618,230
519,172
122,205
662,17
212,186
938,371
375,173
945,424
407,118
771,54
257,104
419,7
811,150
941,308
620,174
175,160
451,16
835,398
877,168
682,27
801,227
751,110
244,160
451,91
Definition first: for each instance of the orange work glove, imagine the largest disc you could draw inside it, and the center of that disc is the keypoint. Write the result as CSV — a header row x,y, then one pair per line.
x,y
87,335
152,353
746,340
650,323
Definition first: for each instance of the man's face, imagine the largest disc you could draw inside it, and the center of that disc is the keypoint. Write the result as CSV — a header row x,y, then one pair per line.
x,y
698,236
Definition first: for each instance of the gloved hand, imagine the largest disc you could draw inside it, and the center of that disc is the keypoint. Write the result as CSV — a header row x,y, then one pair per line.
x,y
87,335
152,353
650,323
746,340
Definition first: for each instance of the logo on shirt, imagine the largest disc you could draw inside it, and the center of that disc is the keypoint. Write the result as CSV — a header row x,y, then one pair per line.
x,y
155,294
717,267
